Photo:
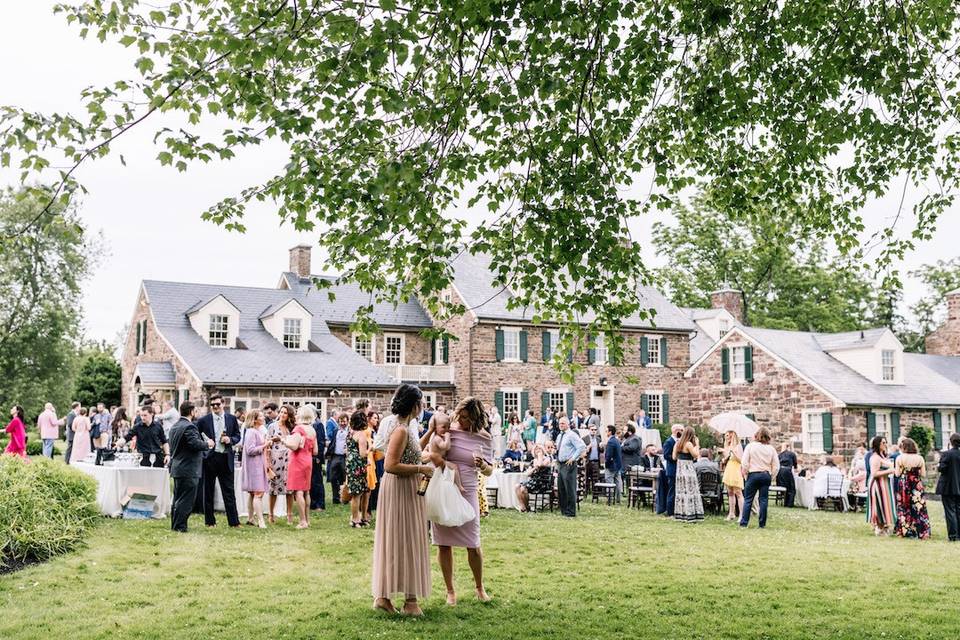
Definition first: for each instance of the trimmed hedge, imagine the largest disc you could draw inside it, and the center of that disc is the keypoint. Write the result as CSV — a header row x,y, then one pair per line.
x,y
46,509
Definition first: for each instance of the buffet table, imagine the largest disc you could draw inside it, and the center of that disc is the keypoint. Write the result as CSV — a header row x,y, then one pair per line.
x,y
506,485
113,484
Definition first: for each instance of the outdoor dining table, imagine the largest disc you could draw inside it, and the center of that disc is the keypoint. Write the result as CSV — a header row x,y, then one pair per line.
x,y
506,485
114,483
654,477
805,493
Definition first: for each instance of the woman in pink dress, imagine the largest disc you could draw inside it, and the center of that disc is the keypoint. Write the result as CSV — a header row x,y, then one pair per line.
x,y
303,446
470,451
18,433
81,436
253,473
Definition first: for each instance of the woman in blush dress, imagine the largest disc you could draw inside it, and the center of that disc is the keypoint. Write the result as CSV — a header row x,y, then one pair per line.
x,y
279,460
253,472
18,433
303,446
471,452
81,437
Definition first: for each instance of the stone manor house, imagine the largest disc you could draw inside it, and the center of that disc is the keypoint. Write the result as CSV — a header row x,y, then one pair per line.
x,y
826,393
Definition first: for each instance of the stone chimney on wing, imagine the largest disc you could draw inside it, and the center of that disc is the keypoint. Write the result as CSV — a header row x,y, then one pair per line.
x,y
300,260
945,339
730,299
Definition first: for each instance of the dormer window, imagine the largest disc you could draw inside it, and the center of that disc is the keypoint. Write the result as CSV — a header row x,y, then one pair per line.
x,y
889,368
219,330
724,326
292,333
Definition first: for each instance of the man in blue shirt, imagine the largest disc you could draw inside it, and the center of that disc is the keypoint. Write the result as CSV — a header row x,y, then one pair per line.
x,y
570,448
643,420
668,477
613,462
337,454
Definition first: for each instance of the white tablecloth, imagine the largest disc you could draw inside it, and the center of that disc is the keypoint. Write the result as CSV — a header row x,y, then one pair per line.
x,y
113,484
805,492
279,510
506,485
650,436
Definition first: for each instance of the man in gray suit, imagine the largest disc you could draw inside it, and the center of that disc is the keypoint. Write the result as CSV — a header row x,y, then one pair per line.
x,y
187,447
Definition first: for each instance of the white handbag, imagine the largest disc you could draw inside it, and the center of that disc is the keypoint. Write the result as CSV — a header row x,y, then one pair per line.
x,y
444,502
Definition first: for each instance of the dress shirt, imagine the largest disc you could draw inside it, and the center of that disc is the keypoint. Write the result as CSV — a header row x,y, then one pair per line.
x,y
760,457
570,446
219,424
594,449
169,418
48,424
340,448
150,438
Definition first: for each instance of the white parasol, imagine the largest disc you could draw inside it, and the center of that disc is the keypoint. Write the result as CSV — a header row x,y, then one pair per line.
x,y
744,426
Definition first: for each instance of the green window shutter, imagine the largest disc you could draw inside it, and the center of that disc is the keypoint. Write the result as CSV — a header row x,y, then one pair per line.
x,y
591,352
186,395
937,430
871,427
433,352
894,426
546,345
139,326
663,352
143,338
544,401
569,402
748,363
523,346
665,408
644,403
446,350
498,401
524,403
751,416
499,341
827,432
725,365
176,399
644,351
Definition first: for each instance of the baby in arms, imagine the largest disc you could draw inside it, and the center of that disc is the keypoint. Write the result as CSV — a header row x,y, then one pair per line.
x,y
439,445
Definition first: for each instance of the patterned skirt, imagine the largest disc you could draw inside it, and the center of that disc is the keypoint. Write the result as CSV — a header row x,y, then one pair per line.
x,y
881,508
688,505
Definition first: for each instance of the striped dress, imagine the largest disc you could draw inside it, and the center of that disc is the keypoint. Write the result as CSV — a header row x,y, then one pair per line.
x,y
881,505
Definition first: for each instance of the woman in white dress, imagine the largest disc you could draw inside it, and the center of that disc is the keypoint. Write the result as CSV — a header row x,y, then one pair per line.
x,y
496,432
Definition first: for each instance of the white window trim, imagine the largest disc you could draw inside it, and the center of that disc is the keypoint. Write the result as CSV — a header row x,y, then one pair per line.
x,y
804,434
430,399
226,331
513,330
563,392
283,334
658,393
319,403
893,367
554,341
885,434
233,404
945,433
651,362
403,348
438,358
373,347
597,360
733,378
516,390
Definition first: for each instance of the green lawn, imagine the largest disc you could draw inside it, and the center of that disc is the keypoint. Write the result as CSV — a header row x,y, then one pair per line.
x,y
610,573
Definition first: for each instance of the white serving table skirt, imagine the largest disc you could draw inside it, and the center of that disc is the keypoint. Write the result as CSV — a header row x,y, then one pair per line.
x,y
279,510
113,483
506,484
805,492
650,436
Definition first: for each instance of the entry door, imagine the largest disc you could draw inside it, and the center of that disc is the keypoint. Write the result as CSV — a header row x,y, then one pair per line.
x,y
602,400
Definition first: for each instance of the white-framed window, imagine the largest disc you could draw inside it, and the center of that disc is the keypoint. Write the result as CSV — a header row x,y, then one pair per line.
x,y
887,362
948,426
319,404
554,342
558,401
291,333
655,406
430,399
511,344
738,364
364,347
812,432
438,352
219,325
393,348
447,296
883,425
653,351
511,401
724,326
237,404
600,353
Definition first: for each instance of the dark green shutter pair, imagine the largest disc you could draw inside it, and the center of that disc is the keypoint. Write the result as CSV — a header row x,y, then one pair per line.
x,y
444,351
747,364
499,345
645,351
872,426
141,337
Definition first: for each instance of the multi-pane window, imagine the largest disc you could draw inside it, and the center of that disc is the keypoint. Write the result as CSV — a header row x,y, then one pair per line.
x,y
291,333
655,407
601,355
558,403
724,326
554,342
948,426
653,350
393,349
363,347
738,363
511,344
813,433
883,425
511,402
218,330
889,370
438,351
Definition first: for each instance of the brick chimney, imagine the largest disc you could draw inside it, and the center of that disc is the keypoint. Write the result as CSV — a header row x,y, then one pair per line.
x,y
945,339
729,299
300,260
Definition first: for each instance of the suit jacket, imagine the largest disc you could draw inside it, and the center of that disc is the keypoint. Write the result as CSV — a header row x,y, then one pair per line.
x,y
631,452
670,465
319,427
586,453
187,450
230,427
612,457
650,463
949,482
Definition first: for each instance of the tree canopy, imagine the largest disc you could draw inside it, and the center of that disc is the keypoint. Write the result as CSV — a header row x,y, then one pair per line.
x,y
544,114
98,378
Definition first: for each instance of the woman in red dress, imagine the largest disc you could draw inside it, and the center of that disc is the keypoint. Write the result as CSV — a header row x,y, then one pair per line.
x,y
303,446
18,433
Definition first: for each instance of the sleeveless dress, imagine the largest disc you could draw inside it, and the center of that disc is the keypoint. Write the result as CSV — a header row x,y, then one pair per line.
x,y
279,460
731,472
540,480
301,463
401,551
462,445
912,518
688,505
356,468
881,506
81,439
253,470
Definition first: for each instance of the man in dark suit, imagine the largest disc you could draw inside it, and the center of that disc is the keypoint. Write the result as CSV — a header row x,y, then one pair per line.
x,y
318,492
613,462
187,447
592,462
948,487
650,461
668,477
224,430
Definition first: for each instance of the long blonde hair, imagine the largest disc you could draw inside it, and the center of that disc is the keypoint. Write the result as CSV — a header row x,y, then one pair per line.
x,y
730,439
688,435
250,422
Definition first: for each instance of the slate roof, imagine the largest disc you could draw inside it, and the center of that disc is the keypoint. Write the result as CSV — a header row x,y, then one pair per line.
x,y
350,298
695,313
474,281
851,339
264,361
929,381
153,373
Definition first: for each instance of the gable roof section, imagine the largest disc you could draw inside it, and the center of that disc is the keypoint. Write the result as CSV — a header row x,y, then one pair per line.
x,y
274,308
851,339
930,381
264,361
154,373
200,304
474,282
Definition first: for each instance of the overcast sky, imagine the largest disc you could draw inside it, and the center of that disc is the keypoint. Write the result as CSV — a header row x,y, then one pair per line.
x,y
149,215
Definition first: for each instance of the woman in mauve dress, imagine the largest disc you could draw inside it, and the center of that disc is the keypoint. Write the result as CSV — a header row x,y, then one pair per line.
x,y
253,472
401,550
81,436
471,451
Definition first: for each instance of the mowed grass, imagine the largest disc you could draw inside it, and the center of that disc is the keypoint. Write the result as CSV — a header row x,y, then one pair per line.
x,y
610,573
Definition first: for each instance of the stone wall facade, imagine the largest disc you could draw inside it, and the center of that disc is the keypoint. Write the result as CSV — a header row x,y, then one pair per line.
x,y
416,347
945,340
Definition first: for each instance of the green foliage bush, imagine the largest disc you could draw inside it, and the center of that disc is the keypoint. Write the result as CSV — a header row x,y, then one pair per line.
x,y
46,509
35,448
923,436
707,437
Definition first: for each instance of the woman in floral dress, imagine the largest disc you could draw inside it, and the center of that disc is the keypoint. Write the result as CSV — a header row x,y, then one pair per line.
x,y
280,459
356,463
912,518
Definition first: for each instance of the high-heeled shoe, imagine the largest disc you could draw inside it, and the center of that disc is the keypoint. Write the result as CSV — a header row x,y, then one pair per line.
x,y
451,598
